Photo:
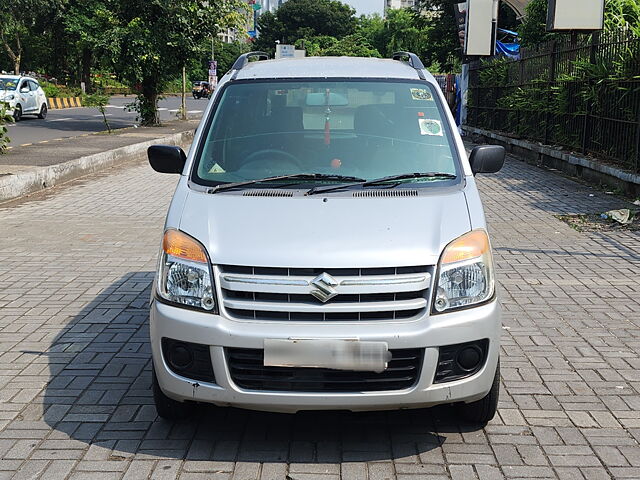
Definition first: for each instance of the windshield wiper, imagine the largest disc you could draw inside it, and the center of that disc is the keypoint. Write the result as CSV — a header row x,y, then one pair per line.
x,y
392,179
297,176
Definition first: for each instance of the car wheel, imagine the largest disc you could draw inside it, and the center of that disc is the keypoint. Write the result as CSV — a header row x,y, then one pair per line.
x,y
168,408
17,113
43,111
483,410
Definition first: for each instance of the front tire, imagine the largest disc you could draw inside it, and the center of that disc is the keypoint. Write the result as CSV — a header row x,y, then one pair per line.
x,y
168,408
17,113
482,411
43,112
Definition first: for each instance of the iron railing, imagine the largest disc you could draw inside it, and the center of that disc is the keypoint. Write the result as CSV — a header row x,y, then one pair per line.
x,y
582,94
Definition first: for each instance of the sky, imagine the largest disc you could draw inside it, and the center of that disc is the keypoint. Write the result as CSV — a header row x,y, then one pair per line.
x,y
365,7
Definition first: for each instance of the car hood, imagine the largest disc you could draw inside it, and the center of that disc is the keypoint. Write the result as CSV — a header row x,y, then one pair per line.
x,y
325,232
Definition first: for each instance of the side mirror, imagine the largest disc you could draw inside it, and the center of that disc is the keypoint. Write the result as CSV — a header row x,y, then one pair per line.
x,y
24,90
487,159
166,158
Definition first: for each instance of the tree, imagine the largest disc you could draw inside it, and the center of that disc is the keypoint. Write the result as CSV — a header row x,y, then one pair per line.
x,y
400,30
298,19
15,20
533,29
443,47
355,45
85,23
151,41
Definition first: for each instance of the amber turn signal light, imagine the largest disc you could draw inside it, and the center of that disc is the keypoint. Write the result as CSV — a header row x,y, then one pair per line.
x,y
181,245
472,245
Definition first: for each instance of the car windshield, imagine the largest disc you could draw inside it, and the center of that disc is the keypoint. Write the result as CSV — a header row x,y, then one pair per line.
x,y
364,129
8,83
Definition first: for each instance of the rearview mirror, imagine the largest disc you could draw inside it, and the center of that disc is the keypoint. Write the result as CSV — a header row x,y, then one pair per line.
x,y
166,158
487,159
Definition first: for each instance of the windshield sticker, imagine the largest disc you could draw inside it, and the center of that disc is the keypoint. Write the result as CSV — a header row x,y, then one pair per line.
x,y
430,127
217,169
421,94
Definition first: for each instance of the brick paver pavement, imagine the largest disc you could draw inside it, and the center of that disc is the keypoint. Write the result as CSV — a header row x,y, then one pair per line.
x,y
75,273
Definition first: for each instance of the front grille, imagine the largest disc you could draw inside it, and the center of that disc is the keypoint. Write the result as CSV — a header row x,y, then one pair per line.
x,y
293,294
247,370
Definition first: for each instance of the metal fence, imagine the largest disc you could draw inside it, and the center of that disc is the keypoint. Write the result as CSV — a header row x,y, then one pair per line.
x,y
582,93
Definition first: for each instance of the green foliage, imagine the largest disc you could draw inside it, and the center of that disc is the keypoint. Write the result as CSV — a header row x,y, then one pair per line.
x,y
400,30
98,101
52,90
4,119
152,41
619,15
354,45
437,17
298,19
533,29
17,17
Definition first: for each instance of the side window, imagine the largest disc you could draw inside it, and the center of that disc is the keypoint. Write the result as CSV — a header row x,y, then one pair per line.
x,y
33,85
24,86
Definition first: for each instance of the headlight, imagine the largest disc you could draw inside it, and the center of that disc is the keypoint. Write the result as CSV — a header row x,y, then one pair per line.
x,y
184,274
465,273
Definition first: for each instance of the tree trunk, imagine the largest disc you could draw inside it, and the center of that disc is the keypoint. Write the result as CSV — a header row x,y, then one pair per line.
x,y
149,103
15,57
85,75
18,55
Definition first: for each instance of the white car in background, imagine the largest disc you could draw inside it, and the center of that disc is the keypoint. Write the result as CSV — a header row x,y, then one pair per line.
x,y
24,96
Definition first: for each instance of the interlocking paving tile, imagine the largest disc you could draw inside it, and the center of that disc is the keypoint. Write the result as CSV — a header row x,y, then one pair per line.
x,y
76,266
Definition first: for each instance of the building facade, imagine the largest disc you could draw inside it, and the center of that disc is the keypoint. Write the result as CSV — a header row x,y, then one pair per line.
x,y
399,4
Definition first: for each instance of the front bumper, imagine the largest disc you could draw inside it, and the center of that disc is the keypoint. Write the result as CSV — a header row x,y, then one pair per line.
x,y
429,333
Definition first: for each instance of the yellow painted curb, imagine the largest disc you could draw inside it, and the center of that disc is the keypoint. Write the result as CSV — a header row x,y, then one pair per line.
x,y
64,102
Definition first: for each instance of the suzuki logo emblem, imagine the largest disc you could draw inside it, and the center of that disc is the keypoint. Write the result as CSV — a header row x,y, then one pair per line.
x,y
324,290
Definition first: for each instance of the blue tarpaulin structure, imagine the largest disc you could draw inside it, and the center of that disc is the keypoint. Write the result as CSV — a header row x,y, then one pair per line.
x,y
508,49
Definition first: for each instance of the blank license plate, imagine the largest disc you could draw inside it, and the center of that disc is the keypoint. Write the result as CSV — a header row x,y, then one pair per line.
x,y
334,354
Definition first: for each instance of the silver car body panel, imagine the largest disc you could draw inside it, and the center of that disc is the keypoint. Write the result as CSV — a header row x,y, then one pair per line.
x,y
336,233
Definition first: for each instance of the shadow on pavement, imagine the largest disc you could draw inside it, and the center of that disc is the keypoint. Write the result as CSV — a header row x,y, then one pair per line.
x,y
94,124
99,393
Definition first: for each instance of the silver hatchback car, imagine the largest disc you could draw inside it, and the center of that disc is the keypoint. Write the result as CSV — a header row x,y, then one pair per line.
x,y
326,247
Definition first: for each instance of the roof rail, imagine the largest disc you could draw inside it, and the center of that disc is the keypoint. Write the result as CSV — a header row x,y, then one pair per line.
x,y
243,59
413,60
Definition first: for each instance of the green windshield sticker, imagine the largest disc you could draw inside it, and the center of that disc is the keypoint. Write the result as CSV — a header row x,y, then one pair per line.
x,y
421,94
430,127
217,169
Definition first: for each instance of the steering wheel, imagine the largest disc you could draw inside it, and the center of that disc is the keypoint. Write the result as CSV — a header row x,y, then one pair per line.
x,y
285,158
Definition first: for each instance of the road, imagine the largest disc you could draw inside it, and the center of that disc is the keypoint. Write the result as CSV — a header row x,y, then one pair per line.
x,y
70,122
76,267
